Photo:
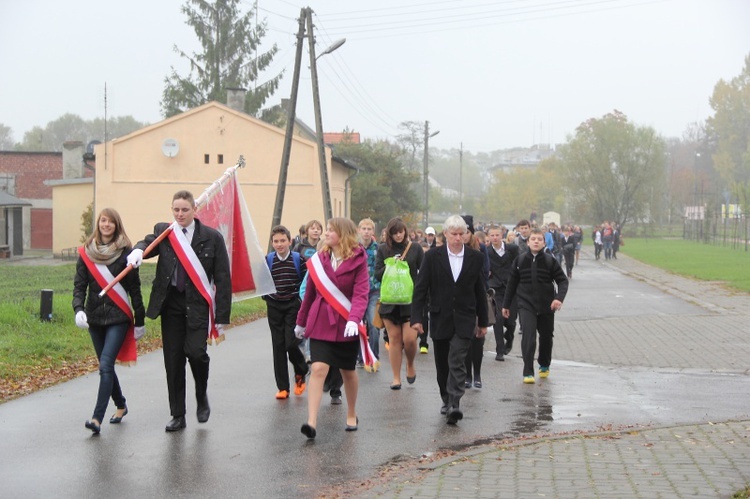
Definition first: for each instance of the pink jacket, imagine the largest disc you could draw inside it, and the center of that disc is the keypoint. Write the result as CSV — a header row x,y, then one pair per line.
x,y
353,279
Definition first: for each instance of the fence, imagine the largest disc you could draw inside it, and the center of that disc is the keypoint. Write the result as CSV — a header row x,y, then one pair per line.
x,y
718,230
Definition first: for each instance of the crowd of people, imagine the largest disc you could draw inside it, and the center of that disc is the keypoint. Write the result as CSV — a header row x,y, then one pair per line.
x,y
326,316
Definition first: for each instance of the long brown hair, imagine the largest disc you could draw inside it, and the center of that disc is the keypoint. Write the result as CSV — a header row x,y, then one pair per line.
x,y
112,214
347,233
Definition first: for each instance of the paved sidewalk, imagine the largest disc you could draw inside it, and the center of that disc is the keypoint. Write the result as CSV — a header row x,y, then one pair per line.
x,y
709,460
706,459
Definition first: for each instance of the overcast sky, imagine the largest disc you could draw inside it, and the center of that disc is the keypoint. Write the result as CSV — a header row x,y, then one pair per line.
x,y
488,74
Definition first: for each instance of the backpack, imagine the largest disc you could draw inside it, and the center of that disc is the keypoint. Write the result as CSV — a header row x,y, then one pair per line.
x,y
295,258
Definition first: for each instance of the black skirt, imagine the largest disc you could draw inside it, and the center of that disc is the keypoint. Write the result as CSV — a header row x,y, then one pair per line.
x,y
338,354
398,314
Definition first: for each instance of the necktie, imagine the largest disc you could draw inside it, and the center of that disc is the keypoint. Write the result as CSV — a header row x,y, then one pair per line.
x,y
180,275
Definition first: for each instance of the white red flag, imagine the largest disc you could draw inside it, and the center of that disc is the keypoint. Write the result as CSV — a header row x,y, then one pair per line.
x,y
226,211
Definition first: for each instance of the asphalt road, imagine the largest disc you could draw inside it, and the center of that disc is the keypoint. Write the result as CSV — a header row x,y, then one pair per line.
x,y
615,362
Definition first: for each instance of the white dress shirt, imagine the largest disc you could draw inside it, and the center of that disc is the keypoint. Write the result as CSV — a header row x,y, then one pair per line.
x,y
456,260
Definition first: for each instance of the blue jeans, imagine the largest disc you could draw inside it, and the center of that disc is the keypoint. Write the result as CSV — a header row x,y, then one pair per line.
x,y
373,333
107,342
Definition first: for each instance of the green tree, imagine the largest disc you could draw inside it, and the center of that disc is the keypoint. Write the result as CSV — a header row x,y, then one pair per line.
x,y
87,222
614,170
729,128
513,195
230,59
381,189
72,127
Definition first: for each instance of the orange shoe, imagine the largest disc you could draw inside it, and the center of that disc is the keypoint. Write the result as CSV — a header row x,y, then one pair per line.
x,y
299,384
283,394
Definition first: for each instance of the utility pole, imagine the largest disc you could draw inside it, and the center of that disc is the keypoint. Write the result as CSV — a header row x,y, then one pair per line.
x,y
461,179
324,185
291,115
305,19
427,136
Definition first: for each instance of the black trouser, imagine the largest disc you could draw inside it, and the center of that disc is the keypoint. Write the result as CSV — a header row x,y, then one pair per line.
x,y
504,339
426,326
333,382
570,260
531,324
282,317
181,341
474,359
450,356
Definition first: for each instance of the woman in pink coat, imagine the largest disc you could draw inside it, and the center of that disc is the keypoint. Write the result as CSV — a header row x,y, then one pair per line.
x,y
335,302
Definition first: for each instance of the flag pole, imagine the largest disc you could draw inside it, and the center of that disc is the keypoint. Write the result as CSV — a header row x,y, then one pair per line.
x,y
202,200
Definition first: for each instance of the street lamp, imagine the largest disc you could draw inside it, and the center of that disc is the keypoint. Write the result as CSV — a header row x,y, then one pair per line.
x,y
427,136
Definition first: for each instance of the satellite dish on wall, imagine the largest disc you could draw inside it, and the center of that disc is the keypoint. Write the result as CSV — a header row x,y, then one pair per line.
x,y
170,148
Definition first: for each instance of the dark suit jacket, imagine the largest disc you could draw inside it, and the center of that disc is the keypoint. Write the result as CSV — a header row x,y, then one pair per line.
x,y
209,246
501,266
455,307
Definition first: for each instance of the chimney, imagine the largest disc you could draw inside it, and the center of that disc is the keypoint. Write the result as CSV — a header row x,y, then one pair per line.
x,y
236,99
72,156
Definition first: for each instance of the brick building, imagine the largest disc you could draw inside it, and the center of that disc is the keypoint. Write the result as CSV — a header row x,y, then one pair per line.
x,y
25,175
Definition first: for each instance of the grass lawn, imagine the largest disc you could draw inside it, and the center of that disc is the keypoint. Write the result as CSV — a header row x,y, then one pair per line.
x,y
702,261
35,354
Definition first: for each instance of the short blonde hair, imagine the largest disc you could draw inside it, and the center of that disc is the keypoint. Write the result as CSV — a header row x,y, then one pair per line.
x,y
366,221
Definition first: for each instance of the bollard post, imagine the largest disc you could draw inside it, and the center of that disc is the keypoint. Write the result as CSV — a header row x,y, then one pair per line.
x,y
45,308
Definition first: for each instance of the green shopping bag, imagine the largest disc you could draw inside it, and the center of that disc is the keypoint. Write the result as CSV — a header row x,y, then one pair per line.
x,y
396,287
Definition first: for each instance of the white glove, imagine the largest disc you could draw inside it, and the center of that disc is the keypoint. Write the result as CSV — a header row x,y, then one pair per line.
x,y
351,329
139,332
82,320
299,331
135,258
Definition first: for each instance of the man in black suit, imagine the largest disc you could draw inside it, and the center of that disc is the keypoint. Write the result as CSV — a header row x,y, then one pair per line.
x,y
451,276
502,255
185,312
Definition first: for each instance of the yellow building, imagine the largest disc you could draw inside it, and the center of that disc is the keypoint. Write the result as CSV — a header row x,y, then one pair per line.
x,y
137,174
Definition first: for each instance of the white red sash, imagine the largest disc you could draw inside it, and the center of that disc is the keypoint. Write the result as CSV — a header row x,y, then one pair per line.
x,y
128,353
192,265
341,304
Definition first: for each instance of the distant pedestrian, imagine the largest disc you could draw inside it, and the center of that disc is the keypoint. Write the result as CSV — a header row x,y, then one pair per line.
x,y
568,244
502,256
111,323
541,286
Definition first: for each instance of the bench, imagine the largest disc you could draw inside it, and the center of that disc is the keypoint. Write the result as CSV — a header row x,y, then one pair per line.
x,y
4,251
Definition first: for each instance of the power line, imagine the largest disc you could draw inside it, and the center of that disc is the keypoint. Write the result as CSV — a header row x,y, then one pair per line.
x,y
456,22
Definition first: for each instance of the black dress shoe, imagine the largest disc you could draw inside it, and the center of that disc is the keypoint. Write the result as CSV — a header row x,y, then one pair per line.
x,y
93,426
177,424
353,428
507,350
204,410
455,415
500,357
116,420
444,409
336,400
308,431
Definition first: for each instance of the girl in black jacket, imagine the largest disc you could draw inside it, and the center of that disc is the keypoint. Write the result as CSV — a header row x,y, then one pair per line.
x,y
105,251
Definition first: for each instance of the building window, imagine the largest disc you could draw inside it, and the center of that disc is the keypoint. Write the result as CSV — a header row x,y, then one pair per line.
x,y
206,158
221,159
